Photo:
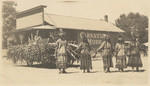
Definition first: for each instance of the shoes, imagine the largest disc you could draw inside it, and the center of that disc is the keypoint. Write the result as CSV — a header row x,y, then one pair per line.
x,y
137,69
106,71
88,71
122,70
64,71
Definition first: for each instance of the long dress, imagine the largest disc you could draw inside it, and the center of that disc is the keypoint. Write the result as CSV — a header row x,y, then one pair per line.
x,y
107,54
85,59
121,58
61,62
135,59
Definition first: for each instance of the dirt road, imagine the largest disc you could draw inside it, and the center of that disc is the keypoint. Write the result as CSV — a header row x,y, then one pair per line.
x,y
20,74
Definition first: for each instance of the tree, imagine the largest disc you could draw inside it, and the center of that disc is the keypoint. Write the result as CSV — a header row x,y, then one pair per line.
x,y
8,16
134,24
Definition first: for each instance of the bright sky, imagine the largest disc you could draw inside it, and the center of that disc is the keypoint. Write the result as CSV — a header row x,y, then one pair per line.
x,y
94,9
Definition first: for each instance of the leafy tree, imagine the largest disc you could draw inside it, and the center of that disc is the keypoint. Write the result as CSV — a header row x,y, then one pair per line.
x,y
8,19
8,16
134,24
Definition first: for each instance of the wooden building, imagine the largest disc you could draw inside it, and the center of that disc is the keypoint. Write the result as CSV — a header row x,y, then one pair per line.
x,y
33,19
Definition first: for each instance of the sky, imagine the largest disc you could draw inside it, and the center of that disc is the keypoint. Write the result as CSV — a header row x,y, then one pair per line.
x,y
93,9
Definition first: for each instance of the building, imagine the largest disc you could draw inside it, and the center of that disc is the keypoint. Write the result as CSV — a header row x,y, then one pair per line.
x,y
31,20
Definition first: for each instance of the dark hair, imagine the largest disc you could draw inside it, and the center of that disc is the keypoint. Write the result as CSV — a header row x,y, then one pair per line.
x,y
107,39
120,40
84,39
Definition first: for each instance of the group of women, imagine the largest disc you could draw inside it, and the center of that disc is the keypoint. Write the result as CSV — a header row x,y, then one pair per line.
x,y
107,53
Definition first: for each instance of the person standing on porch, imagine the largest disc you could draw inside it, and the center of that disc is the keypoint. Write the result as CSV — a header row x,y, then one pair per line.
x,y
61,53
106,54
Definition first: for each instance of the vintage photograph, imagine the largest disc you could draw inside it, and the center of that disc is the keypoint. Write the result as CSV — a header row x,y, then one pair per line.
x,y
74,42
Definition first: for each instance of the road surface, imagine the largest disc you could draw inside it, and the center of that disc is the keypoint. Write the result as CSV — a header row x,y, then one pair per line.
x,y
40,75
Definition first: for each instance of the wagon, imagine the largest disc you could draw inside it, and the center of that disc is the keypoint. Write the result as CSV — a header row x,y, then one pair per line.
x,y
40,52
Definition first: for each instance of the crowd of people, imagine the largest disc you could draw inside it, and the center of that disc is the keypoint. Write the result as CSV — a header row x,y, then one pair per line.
x,y
121,52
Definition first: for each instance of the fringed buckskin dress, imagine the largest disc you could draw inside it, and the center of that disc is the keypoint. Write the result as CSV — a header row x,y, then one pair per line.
x,y
107,54
86,62
61,62
135,59
120,58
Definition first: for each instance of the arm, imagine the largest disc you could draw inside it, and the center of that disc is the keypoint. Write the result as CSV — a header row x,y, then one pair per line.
x,y
57,44
101,46
116,50
116,47
79,47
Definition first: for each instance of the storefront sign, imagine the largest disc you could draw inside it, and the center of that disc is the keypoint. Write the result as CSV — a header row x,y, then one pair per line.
x,y
93,38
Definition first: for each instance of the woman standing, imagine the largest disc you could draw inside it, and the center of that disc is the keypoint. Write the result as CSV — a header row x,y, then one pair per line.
x,y
106,54
61,53
135,59
86,62
120,55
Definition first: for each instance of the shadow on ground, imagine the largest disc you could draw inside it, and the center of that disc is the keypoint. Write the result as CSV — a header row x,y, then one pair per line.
x,y
47,66
126,71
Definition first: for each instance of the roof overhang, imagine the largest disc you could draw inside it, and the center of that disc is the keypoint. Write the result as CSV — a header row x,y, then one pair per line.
x,y
44,27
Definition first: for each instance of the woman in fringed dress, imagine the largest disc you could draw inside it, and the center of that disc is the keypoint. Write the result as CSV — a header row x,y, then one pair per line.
x,y
61,52
106,54
86,62
135,59
120,55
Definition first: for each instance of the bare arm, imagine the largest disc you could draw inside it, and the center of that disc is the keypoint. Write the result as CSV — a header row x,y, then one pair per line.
x,y
101,46
79,47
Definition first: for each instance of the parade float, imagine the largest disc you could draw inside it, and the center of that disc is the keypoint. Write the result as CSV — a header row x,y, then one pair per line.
x,y
41,52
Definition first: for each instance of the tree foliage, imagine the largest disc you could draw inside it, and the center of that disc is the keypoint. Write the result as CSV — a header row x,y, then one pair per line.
x,y
8,16
134,24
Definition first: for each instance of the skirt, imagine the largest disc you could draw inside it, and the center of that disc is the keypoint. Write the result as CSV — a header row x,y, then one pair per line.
x,y
121,62
61,62
86,62
135,61
107,61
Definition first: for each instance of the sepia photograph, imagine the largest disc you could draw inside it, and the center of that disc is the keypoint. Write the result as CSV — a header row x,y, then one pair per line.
x,y
74,43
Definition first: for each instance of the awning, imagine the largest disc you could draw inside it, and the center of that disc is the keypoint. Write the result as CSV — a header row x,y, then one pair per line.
x,y
43,27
